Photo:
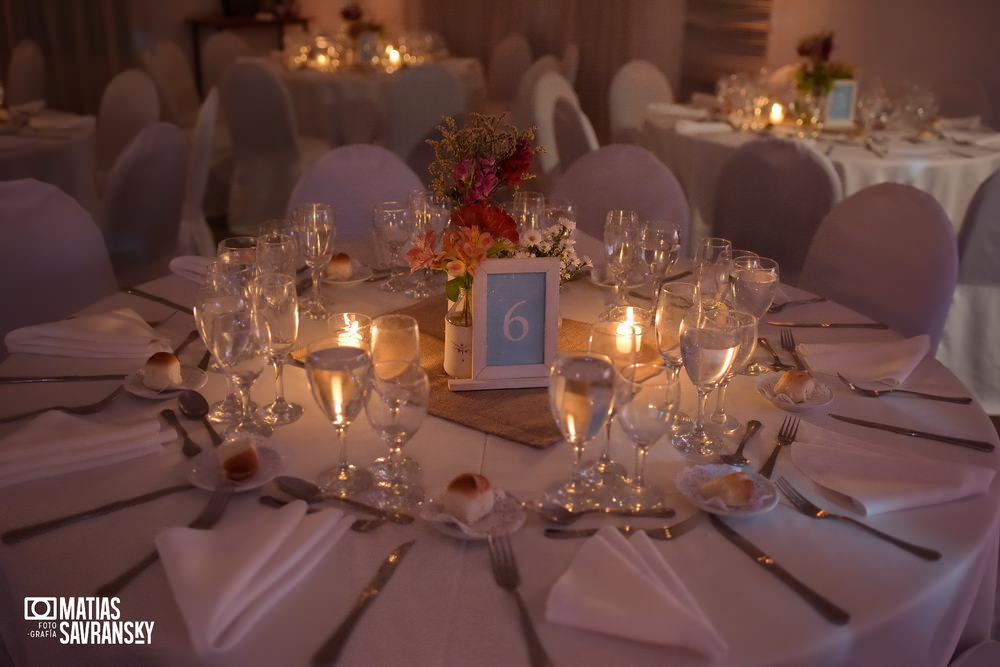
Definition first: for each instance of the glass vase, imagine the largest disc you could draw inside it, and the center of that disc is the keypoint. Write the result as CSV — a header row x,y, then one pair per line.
x,y
458,336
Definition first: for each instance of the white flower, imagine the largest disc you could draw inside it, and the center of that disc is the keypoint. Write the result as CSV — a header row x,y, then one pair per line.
x,y
532,237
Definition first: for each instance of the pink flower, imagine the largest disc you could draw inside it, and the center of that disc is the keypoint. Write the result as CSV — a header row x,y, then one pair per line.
x,y
422,255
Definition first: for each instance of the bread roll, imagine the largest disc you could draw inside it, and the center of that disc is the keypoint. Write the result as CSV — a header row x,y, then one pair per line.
x,y
469,497
239,459
796,385
162,371
734,489
340,267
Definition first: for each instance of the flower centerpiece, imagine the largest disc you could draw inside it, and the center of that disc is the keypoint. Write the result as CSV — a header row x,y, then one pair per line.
x,y
357,23
553,241
815,76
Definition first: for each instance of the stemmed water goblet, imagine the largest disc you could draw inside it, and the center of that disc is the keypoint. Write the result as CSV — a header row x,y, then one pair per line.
x,y
315,228
528,210
754,282
429,213
672,305
393,227
713,263
646,399
396,407
395,338
339,378
620,232
746,331
659,247
581,397
277,250
275,306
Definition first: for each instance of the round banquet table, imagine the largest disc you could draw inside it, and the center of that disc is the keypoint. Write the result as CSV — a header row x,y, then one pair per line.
x,y
442,607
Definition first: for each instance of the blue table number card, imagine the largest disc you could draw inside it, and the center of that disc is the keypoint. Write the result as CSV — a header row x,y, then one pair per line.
x,y
840,104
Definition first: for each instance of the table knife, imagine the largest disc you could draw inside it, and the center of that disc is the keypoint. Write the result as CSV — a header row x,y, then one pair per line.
x,y
827,609
135,291
832,325
26,379
980,445
330,650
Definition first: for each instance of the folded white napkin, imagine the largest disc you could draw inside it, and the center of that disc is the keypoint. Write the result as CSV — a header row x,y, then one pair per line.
x,y
890,362
685,126
623,587
908,149
55,443
875,479
677,111
192,267
116,334
225,579
59,120
27,108
982,139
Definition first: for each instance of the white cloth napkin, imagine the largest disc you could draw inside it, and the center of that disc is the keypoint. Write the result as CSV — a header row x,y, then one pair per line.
x,y
677,111
623,587
876,479
56,443
117,334
908,149
890,363
59,120
689,127
226,579
192,267
982,139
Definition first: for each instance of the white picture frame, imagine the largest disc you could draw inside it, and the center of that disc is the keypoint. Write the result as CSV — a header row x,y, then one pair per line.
x,y
840,104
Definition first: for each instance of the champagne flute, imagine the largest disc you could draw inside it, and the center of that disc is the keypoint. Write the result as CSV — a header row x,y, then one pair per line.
x,y
276,310
746,331
420,204
672,305
709,344
393,227
581,397
620,230
659,246
339,378
315,228
713,262
646,398
396,407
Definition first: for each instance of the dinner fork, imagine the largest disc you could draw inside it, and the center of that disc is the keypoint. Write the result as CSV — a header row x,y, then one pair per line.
x,y
788,344
786,436
506,574
87,409
805,506
964,400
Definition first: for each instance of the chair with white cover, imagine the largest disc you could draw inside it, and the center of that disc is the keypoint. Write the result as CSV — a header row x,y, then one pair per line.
x,y
509,59
268,153
561,126
52,267
968,345
25,74
521,112
417,99
195,235
635,85
569,61
220,50
129,103
770,197
889,252
171,71
143,203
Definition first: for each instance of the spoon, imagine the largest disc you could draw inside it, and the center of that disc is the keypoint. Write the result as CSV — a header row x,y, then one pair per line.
x,y
194,406
561,515
737,458
188,447
309,492
358,526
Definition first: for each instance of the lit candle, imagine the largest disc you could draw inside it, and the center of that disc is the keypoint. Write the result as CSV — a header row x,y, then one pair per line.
x,y
393,57
629,333
351,329
777,114
351,336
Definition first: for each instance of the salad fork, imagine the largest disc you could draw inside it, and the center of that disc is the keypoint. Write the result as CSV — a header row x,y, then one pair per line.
x,y
963,400
87,409
788,344
506,574
786,436
805,506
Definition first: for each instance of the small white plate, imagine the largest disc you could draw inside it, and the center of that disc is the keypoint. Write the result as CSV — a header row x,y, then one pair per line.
x,y
359,273
822,396
690,480
206,472
191,378
506,516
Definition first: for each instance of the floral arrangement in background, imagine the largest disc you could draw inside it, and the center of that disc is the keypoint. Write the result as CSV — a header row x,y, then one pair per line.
x,y
354,17
817,72
554,241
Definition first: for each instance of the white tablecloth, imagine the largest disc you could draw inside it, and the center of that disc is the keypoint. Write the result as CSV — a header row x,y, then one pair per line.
x,y
443,608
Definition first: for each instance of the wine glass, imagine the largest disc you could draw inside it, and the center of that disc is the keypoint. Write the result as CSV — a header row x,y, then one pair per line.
x,y
339,378
315,228
396,407
713,260
275,306
581,397
709,344
754,282
527,209
659,246
393,227
395,339
277,251
672,305
240,250
225,275
746,331
645,402
620,232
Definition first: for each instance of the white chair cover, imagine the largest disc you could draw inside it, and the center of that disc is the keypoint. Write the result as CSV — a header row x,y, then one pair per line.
x,y
622,176
128,104
555,122
25,74
634,86
418,97
509,59
174,79
968,344
268,154
889,252
53,260
575,136
353,179
143,203
523,106
770,198
195,235
220,50
569,61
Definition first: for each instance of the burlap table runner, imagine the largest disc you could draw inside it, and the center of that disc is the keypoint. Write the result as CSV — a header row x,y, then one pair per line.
x,y
521,415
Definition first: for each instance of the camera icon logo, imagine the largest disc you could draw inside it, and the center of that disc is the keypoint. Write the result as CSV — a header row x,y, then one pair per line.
x,y
40,609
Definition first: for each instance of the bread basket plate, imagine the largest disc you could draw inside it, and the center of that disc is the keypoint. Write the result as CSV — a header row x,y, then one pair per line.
x,y
822,396
359,274
205,470
690,480
506,516
191,378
